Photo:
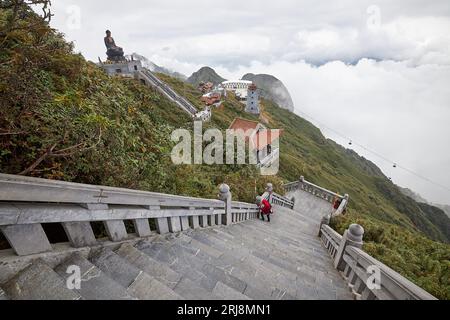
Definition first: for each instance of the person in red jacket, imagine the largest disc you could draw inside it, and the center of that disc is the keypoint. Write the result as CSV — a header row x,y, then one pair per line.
x,y
265,208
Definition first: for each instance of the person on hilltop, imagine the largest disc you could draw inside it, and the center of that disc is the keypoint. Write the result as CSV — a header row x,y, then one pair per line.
x,y
265,208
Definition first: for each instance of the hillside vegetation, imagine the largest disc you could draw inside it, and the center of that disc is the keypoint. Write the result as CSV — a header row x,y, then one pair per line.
x,y
62,118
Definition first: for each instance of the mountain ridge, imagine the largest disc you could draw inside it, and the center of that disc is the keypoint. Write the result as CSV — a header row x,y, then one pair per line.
x,y
205,74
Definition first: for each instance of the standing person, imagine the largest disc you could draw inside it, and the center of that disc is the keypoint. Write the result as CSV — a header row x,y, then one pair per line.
x,y
265,208
336,204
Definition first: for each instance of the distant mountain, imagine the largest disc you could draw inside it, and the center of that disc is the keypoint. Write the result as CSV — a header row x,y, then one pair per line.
x,y
445,208
417,197
272,89
409,193
155,68
205,74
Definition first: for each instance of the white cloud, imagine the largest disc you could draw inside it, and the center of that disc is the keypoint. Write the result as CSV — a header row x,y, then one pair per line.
x,y
397,110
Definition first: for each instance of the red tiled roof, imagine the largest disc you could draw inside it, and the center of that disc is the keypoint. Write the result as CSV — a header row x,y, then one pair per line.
x,y
260,139
242,124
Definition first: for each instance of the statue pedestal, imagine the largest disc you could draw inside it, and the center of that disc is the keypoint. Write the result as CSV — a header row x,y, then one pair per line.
x,y
121,68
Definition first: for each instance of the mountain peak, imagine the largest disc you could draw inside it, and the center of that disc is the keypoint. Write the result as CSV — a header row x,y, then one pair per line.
x,y
205,74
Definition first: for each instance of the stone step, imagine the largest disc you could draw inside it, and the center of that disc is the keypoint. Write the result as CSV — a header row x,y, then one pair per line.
x,y
39,282
316,258
192,291
284,279
138,283
263,283
257,287
183,258
312,264
95,284
225,269
231,294
162,252
292,257
149,265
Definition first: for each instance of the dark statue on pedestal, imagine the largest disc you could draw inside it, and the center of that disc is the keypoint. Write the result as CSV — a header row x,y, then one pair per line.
x,y
114,52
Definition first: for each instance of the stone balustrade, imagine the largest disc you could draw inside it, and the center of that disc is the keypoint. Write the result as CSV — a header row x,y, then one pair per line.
x,y
282,201
27,203
316,190
275,198
149,78
368,278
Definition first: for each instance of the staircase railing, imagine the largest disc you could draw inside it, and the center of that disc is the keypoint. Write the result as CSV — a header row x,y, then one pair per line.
x,y
368,278
319,192
28,203
275,198
312,188
165,89
282,201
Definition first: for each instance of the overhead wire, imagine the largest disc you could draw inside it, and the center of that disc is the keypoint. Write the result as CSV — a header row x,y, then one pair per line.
x,y
377,154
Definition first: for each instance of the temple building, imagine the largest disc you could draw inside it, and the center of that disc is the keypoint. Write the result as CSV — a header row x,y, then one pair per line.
x,y
263,141
239,87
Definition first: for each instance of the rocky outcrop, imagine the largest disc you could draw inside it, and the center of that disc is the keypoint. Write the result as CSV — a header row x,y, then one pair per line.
x,y
272,89
205,74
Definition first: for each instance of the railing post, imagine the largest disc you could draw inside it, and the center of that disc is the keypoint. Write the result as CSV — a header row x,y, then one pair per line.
x,y
27,239
325,221
225,195
353,236
269,190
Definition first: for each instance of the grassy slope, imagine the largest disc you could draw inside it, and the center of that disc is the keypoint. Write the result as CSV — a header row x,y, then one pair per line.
x,y
51,97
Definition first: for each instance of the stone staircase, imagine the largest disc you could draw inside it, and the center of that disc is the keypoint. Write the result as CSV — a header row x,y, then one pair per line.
x,y
283,259
184,248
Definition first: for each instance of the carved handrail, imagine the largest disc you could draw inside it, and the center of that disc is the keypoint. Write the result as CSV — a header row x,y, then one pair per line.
x,y
312,188
281,201
392,285
368,278
168,91
26,203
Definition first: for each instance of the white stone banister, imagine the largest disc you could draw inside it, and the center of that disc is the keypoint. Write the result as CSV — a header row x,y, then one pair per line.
x,y
275,198
27,203
330,239
392,285
282,201
368,278
314,189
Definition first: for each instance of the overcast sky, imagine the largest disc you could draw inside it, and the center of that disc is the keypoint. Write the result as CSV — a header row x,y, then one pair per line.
x,y
378,72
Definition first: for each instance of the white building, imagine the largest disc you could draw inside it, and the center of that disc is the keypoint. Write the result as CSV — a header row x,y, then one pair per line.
x,y
239,87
